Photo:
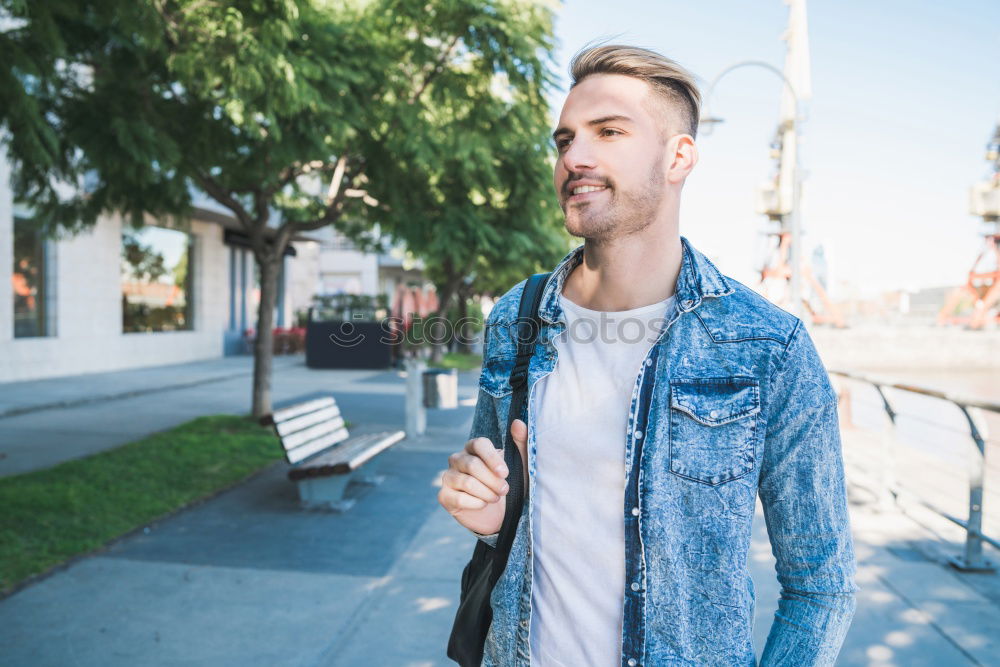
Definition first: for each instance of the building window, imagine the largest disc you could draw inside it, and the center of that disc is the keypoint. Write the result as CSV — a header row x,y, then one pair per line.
x,y
28,281
156,273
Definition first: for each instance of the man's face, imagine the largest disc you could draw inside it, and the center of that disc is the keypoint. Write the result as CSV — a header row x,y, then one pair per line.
x,y
609,174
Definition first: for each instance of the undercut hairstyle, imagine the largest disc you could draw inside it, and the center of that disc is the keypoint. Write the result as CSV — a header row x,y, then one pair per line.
x,y
672,85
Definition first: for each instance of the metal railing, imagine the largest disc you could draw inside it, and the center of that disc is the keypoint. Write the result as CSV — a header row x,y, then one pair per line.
x,y
972,558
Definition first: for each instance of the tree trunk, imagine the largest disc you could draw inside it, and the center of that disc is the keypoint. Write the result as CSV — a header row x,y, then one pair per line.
x,y
445,295
263,348
437,352
462,346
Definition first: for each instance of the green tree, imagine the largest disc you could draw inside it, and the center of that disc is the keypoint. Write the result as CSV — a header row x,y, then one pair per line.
x,y
489,200
293,114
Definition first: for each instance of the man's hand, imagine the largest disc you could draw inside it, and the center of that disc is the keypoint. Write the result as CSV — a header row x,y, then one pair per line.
x,y
474,485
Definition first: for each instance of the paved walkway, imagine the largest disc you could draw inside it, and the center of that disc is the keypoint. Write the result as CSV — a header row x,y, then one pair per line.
x,y
49,421
34,395
249,579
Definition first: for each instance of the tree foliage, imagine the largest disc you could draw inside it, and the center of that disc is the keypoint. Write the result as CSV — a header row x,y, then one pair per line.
x,y
484,198
426,117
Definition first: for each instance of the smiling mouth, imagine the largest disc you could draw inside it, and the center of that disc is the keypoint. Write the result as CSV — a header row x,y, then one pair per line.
x,y
582,192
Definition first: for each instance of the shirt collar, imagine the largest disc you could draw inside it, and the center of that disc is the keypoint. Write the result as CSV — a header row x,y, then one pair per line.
x,y
698,279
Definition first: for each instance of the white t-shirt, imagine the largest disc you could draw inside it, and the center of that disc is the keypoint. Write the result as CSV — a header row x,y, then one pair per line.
x,y
580,414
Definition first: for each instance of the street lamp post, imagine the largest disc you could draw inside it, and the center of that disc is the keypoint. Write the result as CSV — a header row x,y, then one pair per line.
x,y
791,136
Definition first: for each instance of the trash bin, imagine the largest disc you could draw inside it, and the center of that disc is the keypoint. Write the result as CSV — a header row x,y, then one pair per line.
x,y
440,388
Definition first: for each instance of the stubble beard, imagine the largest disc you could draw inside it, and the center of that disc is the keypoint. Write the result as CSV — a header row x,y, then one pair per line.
x,y
628,212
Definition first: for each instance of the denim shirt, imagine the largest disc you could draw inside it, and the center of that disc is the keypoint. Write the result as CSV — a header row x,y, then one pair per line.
x,y
731,402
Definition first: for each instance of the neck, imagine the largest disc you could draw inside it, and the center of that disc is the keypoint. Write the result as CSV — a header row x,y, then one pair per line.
x,y
627,272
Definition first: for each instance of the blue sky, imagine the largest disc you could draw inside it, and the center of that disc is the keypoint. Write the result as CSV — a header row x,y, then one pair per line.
x,y
905,97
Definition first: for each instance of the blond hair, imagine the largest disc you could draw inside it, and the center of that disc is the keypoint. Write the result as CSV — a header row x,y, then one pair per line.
x,y
670,82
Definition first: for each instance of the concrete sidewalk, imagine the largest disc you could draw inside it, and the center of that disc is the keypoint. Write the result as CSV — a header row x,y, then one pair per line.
x,y
50,421
248,578
32,395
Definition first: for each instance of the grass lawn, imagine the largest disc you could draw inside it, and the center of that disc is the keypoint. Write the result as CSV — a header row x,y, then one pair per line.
x,y
461,361
51,515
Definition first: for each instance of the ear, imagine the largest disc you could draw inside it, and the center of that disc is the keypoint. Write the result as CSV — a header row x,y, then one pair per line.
x,y
682,156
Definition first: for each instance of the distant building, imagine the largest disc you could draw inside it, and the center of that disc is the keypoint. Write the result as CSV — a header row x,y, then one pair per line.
x,y
114,297
344,268
925,303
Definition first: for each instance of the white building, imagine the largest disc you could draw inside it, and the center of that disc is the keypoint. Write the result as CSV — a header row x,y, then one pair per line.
x,y
343,268
113,298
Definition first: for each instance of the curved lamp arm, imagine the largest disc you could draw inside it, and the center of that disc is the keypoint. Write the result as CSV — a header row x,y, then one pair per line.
x,y
707,119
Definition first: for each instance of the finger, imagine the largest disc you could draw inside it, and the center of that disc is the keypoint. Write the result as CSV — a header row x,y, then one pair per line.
x,y
519,431
455,501
519,434
473,466
491,456
469,484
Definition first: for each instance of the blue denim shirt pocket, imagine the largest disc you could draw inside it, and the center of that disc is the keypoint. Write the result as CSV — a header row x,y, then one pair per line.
x,y
495,377
499,351
713,428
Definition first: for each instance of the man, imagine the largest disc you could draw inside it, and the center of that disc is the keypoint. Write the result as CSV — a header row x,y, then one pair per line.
x,y
645,454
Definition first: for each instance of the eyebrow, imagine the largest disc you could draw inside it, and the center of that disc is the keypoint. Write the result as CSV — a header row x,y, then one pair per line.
x,y
596,121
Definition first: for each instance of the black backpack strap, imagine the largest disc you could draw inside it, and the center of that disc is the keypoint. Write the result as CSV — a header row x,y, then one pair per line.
x,y
526,330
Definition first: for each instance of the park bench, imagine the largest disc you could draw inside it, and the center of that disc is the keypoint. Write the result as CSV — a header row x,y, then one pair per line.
x,y
323,455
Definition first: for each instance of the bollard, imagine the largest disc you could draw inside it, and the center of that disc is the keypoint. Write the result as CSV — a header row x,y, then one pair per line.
x,y
440,388
416,416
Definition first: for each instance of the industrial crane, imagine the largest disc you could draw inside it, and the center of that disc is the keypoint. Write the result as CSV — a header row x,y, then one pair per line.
x,y
983,284
779,199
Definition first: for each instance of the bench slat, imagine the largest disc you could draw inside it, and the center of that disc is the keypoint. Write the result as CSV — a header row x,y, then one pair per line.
x,y
349,456
361,455
305,435
311,447
295,410
298,423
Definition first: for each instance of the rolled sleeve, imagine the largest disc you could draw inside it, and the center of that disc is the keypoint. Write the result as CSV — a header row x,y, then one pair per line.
x,y
489,539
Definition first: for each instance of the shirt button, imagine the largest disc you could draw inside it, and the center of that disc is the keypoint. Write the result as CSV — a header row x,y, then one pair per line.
x,y
632,662
635,585
638,435
635,511
713,414
649,362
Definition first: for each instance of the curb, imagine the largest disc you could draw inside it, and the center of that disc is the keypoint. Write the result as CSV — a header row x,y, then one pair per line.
x,y
72,403
75,402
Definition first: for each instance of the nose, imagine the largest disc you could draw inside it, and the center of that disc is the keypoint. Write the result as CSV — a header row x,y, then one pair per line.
x,y
579,156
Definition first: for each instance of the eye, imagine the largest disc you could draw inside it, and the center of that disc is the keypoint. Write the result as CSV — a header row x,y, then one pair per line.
x,y
606,130
561,144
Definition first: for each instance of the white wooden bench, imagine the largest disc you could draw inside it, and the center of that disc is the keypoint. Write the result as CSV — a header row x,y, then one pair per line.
x,y
323,455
